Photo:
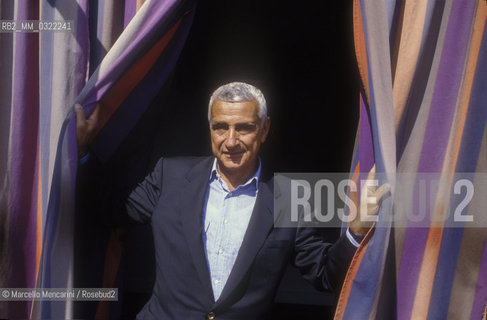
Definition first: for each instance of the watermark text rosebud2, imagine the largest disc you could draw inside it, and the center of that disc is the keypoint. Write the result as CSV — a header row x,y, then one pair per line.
x,y
414,200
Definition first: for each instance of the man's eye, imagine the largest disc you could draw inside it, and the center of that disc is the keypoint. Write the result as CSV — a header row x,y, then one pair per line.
x,y
245,128
219,128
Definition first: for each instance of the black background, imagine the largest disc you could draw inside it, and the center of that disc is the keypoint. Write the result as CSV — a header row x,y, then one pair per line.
x,y
300,54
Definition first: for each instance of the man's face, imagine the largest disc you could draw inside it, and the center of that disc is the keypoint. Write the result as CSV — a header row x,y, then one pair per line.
x,y
236,135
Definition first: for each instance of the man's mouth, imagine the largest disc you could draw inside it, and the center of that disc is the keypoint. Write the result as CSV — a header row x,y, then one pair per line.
x,y
233,153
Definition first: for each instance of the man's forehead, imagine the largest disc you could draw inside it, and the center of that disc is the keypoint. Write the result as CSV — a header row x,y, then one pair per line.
x,y
248,109
236,122
246,103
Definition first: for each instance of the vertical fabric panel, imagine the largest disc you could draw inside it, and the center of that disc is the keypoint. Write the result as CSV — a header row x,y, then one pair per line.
x,y
439,80
6,70
42,75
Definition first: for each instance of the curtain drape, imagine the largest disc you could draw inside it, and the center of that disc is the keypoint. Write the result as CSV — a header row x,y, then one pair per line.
x,y
118,54
423,111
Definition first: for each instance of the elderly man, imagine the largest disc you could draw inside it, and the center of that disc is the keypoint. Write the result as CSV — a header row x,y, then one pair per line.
x,y
217,252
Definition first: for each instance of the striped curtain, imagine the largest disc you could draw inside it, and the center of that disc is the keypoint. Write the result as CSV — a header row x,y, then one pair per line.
x,y
423,109
119,54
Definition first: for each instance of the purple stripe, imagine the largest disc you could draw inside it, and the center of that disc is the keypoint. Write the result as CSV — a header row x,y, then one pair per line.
x,y
421,76
23,171
59,215
375,149
477,102
366,149
159,20
80,51
448,81
366,281
476,116
130,9
445,272
100,14
436,139
410,264
45,84
467,162
54,252
6,65
355,159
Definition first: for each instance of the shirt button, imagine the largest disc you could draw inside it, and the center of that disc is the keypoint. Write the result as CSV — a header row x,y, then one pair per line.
x,y
216,281
220,251
225,221
210,316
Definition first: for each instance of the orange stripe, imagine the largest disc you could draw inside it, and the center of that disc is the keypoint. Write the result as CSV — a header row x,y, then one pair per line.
x,y
351,273
360,49
427,273
433,242
34,306
122,88
410,34
465,93
139,4
39,212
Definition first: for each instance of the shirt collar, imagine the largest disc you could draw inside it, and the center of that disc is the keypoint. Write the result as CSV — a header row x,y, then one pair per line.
x,y
255,177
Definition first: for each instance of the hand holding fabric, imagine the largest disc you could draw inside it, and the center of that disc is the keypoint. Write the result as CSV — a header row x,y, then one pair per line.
x,y
370,201
85,128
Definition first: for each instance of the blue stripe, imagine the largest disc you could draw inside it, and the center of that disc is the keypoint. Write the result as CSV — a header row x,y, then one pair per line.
x,y
467,162
363,291
52,221
46,65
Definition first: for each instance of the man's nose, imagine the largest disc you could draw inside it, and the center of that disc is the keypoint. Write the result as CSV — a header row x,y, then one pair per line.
x,y
232,139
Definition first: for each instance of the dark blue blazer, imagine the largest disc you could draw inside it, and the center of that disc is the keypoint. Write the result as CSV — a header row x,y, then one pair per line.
x,y
171,198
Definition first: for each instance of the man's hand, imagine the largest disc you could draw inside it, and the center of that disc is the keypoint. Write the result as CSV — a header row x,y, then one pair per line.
x,y
369,208
85,128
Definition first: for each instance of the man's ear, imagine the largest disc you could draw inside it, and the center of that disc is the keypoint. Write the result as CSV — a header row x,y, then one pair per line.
x,y
265,129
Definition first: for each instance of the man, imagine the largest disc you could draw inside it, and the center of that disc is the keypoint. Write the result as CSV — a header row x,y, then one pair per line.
x,y
218,255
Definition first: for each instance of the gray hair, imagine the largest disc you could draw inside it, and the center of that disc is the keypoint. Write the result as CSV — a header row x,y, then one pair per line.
x,y
237,92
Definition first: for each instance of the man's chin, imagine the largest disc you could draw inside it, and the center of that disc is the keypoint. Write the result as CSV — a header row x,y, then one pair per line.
x,y
232,163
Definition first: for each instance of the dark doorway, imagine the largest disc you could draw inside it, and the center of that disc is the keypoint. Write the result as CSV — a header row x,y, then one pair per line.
x,y
301,56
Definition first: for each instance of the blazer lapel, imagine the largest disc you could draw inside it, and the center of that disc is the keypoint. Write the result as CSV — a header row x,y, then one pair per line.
x,y
191,210
259,226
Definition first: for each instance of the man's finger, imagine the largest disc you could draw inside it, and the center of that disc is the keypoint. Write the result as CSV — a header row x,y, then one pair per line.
x,y
93,119
80,114
94,115
371,175
382,191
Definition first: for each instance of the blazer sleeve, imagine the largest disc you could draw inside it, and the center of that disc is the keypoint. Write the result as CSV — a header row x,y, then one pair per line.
x,y
321,263
143,200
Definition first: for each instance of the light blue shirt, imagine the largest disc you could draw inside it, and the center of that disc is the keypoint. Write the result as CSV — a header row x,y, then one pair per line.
x,y
225,219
